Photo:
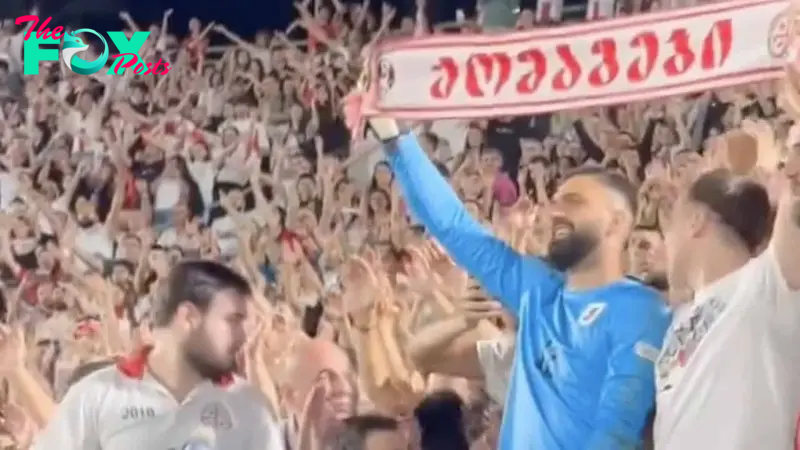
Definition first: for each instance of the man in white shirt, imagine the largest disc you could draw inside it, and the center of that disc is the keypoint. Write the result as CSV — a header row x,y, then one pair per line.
x,y
181,392
727,376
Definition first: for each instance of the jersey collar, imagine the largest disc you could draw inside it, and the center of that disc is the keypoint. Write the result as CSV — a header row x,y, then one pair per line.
x,y
134,365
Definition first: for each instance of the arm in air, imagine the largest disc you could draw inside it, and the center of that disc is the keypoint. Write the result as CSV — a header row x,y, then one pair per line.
x,y
628,394
503,272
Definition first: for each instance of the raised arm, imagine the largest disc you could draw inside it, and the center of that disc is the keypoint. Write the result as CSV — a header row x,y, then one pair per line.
x,y
786,232
783,185
503,272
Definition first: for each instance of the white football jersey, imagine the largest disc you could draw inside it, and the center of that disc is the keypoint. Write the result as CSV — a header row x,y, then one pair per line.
x,y
728,377
122,407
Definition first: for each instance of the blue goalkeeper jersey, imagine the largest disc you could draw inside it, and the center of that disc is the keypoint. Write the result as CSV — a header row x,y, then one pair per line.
x,y
582,377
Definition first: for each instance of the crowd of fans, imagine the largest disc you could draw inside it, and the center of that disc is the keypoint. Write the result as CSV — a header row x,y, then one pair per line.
x,y
240,154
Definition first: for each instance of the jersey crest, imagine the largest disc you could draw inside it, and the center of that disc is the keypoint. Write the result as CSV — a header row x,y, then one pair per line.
x,y
591,313
216,416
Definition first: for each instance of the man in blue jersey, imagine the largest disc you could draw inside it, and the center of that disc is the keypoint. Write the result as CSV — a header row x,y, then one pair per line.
x,y
583,372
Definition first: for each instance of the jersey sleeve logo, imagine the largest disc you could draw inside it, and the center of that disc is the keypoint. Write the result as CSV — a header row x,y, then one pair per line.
x,y
216,416
591,313
549,361
646,351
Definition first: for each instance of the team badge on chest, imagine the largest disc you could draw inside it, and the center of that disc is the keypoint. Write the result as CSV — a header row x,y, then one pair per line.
x,y
591,313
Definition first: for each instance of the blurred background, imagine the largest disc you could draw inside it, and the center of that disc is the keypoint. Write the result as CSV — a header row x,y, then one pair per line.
x,y
243,17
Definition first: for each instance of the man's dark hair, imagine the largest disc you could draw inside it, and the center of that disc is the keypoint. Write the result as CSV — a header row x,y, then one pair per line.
x,y
357,428
741,204
611,180
196,282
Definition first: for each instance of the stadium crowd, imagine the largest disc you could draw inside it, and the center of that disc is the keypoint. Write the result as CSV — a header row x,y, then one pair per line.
x,y
360,322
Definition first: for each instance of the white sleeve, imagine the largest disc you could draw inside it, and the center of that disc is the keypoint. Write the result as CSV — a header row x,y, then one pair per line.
x,y
496,357
767,290
74,424
775,279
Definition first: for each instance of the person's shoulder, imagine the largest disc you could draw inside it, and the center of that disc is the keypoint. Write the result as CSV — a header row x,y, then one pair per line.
x,y
633,288
99,382
108,374
761,278
633,300
251,400
762,267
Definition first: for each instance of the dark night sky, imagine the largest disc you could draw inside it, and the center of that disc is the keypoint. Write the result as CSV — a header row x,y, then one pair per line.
x,y
242,16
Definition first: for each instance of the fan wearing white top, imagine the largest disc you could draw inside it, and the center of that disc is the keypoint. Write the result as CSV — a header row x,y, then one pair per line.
x,y
93,237
181,392
727,375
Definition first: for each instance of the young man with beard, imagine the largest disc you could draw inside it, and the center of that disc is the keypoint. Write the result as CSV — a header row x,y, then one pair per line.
x,y
583,371
727,378
181,392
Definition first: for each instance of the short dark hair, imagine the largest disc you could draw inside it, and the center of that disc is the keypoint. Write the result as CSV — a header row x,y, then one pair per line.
x,y
611,180
196,282
357,428
742,204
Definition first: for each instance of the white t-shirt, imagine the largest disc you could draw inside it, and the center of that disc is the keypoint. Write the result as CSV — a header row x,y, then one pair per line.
x,y
214,100
204,173
234,169
8,189
226,230
95,244
496,357
728,377
168,194
117,409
